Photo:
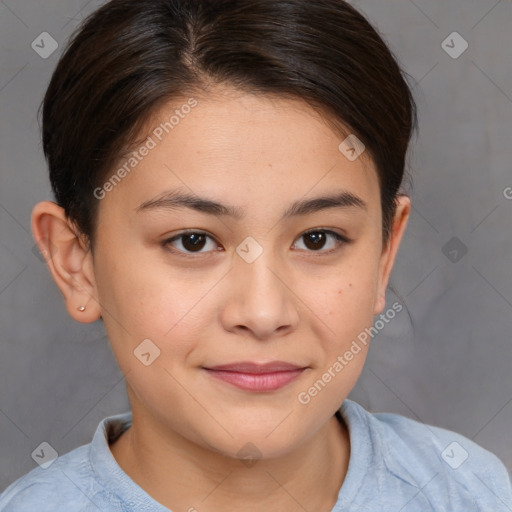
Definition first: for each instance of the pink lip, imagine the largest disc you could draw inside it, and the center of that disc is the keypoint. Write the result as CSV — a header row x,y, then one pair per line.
x,y
257,377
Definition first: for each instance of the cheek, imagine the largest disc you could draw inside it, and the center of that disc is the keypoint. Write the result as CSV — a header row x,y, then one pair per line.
x,y
348,305
351,290
148,301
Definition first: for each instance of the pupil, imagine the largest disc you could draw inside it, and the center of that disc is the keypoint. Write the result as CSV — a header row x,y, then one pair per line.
x,y
318,239
197,241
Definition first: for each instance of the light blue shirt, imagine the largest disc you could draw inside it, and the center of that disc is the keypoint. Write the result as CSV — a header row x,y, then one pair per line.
x,y
396,465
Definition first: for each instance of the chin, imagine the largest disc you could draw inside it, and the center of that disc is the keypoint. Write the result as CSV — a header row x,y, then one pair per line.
x,y
254,444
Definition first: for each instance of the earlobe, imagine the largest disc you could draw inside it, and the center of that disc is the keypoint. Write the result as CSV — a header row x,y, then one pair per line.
x,y
68,260
389,252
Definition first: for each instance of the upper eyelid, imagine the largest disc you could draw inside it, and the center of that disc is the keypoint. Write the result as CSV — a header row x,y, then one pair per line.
x,y
201,232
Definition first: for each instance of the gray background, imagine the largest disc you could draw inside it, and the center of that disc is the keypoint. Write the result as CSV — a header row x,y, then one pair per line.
x,y
448,363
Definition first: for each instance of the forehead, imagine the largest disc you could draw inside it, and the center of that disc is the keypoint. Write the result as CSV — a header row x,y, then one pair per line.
x,y
250,150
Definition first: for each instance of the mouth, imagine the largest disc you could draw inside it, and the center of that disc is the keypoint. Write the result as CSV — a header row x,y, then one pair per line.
x,y
256,377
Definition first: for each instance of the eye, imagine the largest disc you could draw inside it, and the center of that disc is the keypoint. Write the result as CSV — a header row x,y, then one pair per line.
x,y
192,242
315,240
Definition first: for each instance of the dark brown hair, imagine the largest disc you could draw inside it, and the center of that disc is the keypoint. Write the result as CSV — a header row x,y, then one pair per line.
x,y
130,57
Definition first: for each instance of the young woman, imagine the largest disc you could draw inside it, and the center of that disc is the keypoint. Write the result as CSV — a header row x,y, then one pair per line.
x,y
227,181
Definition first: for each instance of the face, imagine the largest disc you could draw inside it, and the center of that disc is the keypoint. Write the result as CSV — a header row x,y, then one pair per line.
x,y
256,281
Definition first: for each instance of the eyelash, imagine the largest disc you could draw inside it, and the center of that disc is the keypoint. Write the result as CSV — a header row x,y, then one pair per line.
x,y
340,241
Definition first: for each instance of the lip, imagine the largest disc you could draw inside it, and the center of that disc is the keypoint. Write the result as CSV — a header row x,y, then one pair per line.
x,y
256,377
251,367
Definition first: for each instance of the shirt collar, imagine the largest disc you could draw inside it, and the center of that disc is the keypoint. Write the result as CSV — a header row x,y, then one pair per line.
x,y
367,453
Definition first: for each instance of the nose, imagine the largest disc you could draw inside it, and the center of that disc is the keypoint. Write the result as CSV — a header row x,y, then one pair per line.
x,y
260,301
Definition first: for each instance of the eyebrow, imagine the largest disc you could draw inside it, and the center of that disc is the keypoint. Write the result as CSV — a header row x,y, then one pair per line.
x,y
176,199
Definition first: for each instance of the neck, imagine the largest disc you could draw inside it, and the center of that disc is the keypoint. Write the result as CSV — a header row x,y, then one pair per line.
x,y
181,475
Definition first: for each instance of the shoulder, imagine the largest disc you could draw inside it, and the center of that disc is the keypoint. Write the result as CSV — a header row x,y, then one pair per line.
x,y
439,461
68,483
81,479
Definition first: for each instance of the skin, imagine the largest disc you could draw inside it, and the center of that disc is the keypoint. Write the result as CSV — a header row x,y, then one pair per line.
x,y
293,303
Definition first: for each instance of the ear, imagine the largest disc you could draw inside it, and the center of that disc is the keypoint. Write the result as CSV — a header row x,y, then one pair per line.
x,y
69,259
391,248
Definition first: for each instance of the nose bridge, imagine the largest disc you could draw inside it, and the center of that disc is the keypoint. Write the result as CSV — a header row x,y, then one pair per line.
x,y
255,266
260,300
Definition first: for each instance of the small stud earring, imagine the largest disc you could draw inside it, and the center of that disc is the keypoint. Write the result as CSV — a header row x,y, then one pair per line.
x,y
81,308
